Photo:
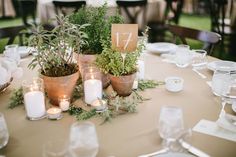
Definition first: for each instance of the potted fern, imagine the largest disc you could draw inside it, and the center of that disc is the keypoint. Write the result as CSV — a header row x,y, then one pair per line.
x,y
121,67
55,59
98,30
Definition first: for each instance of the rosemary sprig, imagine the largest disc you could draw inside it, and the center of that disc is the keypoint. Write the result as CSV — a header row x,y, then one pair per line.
x,y
145,84
74,110
16,98
86,114
81,114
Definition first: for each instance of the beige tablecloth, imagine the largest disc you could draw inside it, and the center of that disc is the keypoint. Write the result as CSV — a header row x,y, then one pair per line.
x,y
128,135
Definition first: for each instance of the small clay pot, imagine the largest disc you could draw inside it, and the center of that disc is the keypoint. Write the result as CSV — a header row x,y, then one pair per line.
x,y
123,84
58,87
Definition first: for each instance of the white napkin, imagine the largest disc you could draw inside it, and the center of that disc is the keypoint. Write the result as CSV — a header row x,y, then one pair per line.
x,y
5,76
226,124
8,64
213,129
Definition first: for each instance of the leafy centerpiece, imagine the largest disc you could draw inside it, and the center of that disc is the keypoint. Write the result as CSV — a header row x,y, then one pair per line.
x,y
98,30
55,58
121,67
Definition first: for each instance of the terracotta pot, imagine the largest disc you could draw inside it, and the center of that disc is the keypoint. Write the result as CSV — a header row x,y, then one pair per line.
x,y
123,84
57,87
89,60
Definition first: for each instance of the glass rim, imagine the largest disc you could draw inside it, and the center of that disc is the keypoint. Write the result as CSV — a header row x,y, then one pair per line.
x,y
83,123
26,83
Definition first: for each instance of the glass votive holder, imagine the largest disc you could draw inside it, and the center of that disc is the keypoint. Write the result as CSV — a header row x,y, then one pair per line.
x,y
64,103
34,99
54,113
92,82
100,105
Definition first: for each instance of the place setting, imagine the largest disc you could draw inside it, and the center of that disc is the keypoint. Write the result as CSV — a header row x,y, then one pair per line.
x,y
176,138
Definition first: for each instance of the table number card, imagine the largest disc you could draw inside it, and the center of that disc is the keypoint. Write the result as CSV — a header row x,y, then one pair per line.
x,y
124,37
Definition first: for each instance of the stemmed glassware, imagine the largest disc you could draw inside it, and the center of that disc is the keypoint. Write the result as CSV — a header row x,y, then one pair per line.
x,y
4,135
83,140
228,96
220,81
171,127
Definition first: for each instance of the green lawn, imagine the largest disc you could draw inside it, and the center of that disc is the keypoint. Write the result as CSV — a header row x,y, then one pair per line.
x,y
187,20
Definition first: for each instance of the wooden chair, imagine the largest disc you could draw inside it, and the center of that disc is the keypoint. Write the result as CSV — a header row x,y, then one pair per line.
x,y
60,6
28,7
221,24
132,8
158,29
210,39
11,33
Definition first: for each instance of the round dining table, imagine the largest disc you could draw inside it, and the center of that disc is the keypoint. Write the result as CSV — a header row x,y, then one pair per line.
x,y
128,135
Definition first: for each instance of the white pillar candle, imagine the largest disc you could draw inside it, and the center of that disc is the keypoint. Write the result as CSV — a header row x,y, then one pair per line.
x,y
92,90
141,69
64,104
34,104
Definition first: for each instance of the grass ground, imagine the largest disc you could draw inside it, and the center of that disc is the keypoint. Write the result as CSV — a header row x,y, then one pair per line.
x,y
193,21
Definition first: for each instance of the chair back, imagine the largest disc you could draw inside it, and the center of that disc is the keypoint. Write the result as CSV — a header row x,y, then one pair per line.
x,y
11,33
60,6
126,5
28,7
208,38
220,21
175,7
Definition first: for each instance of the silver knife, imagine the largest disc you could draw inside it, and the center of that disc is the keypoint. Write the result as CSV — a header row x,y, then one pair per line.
x,y
193,149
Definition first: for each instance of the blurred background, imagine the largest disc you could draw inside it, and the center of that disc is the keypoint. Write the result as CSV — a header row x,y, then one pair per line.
x,y
205,15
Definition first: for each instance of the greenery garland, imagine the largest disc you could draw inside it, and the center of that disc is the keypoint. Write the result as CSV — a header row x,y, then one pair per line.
x,y
17,98
116,105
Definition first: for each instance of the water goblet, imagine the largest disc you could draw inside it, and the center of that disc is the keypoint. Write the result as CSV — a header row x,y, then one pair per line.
x,y
11,51
199,59
183,56
4,135
83,140
56,148
171,126
220,81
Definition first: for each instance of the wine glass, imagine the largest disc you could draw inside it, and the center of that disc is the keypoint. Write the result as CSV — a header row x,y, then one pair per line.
x,y
171,126
83,140
220,81
183,56
56,148
4,135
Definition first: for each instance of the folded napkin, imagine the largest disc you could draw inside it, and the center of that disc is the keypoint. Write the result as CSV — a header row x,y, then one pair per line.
x,y
8,69
5,75
212,128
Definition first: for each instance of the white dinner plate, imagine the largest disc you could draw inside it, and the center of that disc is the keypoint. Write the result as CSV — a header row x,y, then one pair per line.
x,y
161,47
222,65
24,51
174,154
